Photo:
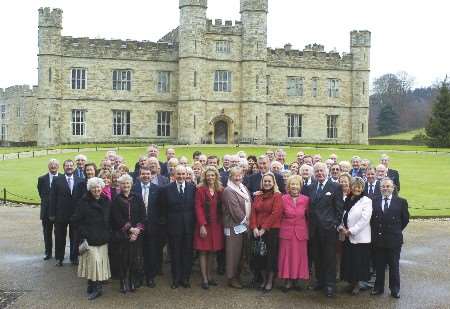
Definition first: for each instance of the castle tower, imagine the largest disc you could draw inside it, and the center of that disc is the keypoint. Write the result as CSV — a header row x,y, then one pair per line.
x,y
360,50
191,107
49,75
254,67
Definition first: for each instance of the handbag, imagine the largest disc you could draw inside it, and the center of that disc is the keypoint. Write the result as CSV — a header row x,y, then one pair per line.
x,y
83,247
259,247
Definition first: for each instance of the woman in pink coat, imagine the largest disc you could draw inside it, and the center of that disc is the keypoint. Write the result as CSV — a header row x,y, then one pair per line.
x,y
293,254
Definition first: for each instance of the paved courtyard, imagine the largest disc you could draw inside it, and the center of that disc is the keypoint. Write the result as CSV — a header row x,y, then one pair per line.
x,y
34,283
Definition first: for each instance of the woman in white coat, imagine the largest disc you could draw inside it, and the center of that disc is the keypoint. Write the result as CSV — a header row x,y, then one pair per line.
x,y
355,229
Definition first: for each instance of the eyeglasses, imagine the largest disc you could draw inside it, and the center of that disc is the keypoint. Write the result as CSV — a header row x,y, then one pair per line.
x,y
335,169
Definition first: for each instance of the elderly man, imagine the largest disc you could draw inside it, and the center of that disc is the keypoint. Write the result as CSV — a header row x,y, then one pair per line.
x,y
203,159
333,157
62,206
44,184
308,160
156,178
280,156
276,167
325,215
80,160
380,172
170,153
356,170
254,181
141,163
317,158
226,164
177,206
390,216
300,156
335,172
183,161
393,174
372,188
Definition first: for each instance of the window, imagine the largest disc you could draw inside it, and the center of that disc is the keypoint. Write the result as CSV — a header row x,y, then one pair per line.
x,y
3,132
222,81
333,88
195,78
257,82
121,123
163,82
122,80
223,47
294,125
49,75
3,112
332,126
19,111
78,78
163,124
364,88
78,122
295,86
267,84
314,87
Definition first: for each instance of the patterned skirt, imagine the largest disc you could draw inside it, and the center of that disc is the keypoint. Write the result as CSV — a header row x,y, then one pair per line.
x,y
94,264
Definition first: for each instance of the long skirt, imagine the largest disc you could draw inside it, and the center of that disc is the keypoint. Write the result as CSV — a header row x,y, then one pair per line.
x,y
94,264
268,262
233,253
293,259
355,263
131,260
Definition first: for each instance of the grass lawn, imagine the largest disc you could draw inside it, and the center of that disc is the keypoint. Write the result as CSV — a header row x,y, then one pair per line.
x,y
425,177
402,136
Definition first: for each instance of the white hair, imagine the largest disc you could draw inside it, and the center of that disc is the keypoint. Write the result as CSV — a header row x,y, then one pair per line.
x,y
173,161
227,157
356,158
384,157
125,178
243,162
180,168
386,179
95,182
274,163
235,158
306,167
329,161
81,157
53,162
189,170
241,154
321,165
381,166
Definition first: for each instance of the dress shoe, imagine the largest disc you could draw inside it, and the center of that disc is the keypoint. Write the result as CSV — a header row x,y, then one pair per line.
x,y
90,287
329,292
174,286
395,295
59,263
376,292
47,257
212,282
205,285
186,284
151,283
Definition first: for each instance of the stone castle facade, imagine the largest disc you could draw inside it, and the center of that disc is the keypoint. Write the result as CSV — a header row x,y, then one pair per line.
x,y
203,82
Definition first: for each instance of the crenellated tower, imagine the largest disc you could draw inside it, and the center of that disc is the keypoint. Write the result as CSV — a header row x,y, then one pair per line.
x,y
191,107
49,75
360,49
254,68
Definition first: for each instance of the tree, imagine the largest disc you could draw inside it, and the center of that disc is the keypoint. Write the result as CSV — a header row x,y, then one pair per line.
x,y
387,120
438,128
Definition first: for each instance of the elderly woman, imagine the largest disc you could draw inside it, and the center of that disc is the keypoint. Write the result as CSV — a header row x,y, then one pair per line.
x,y
92,218
286,175
107,179
197,167
294,168
345,166
293,255
128,218
356,229
190,177
306,172
265,224
236,203
276,167
208,237
345,181
123,169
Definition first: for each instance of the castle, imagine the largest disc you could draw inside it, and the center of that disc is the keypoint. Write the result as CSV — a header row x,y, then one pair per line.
x,y
203,82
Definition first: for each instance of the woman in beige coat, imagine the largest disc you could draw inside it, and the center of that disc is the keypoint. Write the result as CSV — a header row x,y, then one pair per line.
x,y
236,203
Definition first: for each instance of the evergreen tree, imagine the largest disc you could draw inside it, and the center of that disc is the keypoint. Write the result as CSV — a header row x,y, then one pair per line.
x,y
438,129
387,120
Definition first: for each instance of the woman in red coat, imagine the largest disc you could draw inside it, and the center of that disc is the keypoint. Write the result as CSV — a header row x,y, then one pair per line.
x,y
208,237
265,223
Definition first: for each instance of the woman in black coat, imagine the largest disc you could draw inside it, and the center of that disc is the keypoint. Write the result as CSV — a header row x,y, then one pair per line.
x,y
92,217
128,221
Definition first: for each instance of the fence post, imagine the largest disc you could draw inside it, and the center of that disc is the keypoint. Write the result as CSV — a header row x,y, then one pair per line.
x,y
33,154
4,196
18,155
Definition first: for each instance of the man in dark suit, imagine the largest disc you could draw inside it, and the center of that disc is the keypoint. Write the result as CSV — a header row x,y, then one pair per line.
x,y
156,178
253,182
177,206
356,170
149,193
170,153
140,164
80,170
325,215
393,174
44,184
372,187
62,206
390,216
226,164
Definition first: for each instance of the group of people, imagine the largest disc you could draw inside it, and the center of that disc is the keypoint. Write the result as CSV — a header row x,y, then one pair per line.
x,y
311,219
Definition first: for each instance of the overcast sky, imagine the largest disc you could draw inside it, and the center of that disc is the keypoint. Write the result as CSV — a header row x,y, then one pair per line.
x,y
407,35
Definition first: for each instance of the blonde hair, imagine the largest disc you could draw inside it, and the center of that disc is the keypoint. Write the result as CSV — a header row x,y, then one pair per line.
x,y
294,179
217,185
275,185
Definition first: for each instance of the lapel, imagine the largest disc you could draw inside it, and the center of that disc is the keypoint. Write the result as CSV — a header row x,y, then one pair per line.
x,y
318,196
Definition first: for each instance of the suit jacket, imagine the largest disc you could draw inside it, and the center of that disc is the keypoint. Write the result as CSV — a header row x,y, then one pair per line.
x,y
164,169
254,183
233,206
79,173
358,221
177,212
387,226
43,187
326,208
162,180
62,201
357,172
224,177
395,176
376,190
294,218
152,211
127,212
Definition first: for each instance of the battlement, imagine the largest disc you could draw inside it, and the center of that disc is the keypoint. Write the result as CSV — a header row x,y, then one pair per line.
x,y
254,5
360,38
120,49
200,3
313,55
50,18
227,27
18,90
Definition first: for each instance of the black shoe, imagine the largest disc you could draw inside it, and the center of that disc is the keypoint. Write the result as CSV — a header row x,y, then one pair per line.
x,y
59,263
376,292
151,283
95,293
205,285
174,286
123,287
186,284
395,295
90,287
329,292
47,257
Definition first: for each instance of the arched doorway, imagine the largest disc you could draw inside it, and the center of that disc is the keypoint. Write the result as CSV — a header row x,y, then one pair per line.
x,y
221,132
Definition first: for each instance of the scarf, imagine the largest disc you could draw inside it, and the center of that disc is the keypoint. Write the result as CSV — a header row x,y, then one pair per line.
x,y
242,191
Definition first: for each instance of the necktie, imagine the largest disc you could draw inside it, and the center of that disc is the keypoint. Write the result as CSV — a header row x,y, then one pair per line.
x,y
145,196
319,189
51,180
386,204
371,189
70,183
180,190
